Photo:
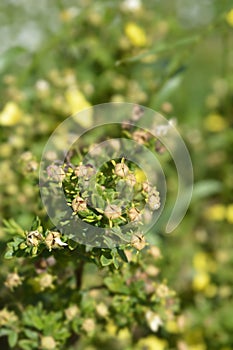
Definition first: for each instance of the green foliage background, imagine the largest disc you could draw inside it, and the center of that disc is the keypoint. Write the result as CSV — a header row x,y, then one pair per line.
x,y
182,67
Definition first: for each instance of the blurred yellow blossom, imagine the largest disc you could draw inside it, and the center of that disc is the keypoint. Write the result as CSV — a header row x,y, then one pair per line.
x,y
151,343
7,317
229,213
68,14
211,290
11,114
76,103
48,343
172,327
135,34
200,281
200,261
215,123
216,212
229,17
140,175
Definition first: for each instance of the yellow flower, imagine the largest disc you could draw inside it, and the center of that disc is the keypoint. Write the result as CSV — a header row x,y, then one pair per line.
x,y
68,14
135,34
216,212
172,327
215,123
229,213
200,281
151,343
48,343
229,17
10,115
200,261
140,175
211,290
76,103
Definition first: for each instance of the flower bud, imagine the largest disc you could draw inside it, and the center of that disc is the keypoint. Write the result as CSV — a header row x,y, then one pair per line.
x,y
134,214
13,280
48,343
154,200
131,180
53,240
34,238
79,204
138,241
121,169
112,211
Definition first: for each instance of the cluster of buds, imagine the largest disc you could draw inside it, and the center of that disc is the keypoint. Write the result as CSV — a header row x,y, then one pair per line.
x,y
119,194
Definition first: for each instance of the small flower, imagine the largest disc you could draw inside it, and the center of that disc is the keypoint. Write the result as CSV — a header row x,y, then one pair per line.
x,y
154,200
162,291
88,325
43,281
131,180
56,173
146,186
229,17
155,252
137,113
76,103
215,123
134,214
135,34
13,280
71,312
48,343
151,343
102,310
200,281
112,211
79,204
43,88
10,115
141,136
53,240
121,169
229,213
215,212
7,317
154,321
85,171
138,241
34,238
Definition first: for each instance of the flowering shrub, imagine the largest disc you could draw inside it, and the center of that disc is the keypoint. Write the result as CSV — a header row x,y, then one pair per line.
x,y
154,291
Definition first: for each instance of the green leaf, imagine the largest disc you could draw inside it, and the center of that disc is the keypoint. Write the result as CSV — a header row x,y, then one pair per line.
x,y
105,261
116,285
122,255
27,344
35,224
31,334
4,331
9,254
206,188
12,338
